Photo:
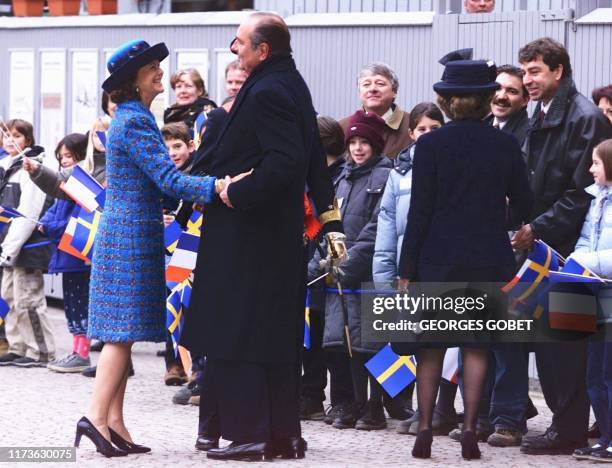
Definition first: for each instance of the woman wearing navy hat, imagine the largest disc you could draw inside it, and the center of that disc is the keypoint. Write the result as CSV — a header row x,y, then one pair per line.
x,y
127,302
467,177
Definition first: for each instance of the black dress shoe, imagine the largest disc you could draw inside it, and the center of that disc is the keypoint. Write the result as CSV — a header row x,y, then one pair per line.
x,y
549,443
206,443
87,429
469,446
289,448
602,456
129,447
584,453
422,444
259,451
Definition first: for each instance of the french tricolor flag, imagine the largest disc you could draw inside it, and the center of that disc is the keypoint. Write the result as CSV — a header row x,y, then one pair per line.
x,y
65,243
572,302
84,189
184,258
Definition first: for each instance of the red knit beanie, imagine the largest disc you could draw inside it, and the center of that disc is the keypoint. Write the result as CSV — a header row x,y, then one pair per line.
x,y
369,126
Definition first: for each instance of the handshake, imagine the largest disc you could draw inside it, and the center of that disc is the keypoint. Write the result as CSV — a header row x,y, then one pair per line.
x,y
222,185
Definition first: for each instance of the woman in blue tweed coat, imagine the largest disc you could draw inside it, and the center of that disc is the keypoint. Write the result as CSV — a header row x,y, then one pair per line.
x,y
127,302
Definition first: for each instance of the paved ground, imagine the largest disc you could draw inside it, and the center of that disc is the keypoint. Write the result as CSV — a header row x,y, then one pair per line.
x,y
41,408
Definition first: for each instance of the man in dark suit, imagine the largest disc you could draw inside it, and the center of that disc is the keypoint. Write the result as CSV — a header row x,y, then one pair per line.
x,y
246,309
509,405
564,129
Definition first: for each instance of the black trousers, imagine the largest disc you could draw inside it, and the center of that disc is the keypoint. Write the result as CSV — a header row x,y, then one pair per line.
x,y
316,362
249,402
562,372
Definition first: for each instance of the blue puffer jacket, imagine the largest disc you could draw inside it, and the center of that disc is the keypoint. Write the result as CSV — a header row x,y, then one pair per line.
x,y
54,223
392,219
594,247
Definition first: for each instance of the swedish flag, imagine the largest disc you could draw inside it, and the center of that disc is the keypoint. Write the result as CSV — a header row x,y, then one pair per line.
x,y
307,321
4,310
526,287
7,215
393,372
172,232
85,232
575,268
194,225
176,305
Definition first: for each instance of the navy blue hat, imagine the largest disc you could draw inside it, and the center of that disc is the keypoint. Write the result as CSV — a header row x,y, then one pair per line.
x,y
467,77
128,59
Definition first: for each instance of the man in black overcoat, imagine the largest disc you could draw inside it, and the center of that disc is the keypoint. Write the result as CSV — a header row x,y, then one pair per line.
x,y
246,309
564,129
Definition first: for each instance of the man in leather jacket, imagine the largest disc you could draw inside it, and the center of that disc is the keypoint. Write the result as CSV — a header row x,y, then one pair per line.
x,y
564,129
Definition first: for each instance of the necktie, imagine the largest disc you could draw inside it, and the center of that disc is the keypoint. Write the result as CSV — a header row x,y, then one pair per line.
x,y
541,117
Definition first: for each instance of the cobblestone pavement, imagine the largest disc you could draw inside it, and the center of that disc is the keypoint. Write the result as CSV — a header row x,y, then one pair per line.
x,y
40,408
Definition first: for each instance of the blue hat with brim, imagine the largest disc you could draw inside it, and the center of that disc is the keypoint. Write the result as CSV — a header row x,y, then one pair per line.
x,y
467,77
128,59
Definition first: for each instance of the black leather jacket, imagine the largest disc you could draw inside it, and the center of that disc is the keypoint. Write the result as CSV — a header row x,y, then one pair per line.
x,y
558,155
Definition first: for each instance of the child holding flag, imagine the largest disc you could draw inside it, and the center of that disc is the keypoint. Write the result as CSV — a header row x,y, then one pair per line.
x,y
594,251
75,272
50,181
28,331
359,191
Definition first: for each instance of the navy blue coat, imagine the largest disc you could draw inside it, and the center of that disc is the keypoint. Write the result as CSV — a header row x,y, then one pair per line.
x,y
247,302
458,218
54,223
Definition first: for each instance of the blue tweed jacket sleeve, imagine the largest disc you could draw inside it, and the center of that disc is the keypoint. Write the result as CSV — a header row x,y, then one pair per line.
x,y
149,153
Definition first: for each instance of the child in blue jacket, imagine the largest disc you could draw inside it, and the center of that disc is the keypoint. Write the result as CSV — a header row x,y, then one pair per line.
x,y
594,251
75,272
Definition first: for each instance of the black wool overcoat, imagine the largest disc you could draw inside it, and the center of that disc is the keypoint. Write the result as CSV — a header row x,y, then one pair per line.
x,y
248,288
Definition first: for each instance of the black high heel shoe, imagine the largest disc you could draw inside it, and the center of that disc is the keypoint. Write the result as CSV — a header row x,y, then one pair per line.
x,y
126,446
469,446
422,444
87,429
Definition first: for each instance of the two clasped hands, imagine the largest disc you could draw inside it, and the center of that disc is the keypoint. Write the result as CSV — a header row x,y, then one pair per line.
x,y
222,186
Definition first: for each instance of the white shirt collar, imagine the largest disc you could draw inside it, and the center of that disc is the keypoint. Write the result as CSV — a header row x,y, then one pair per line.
x,y
545,107
501,125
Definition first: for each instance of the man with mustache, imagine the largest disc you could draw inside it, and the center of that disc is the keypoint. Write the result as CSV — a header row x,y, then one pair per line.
x,y
509,400
564,129
509,106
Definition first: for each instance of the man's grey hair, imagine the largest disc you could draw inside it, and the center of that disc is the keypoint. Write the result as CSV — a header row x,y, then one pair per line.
x,y
380,68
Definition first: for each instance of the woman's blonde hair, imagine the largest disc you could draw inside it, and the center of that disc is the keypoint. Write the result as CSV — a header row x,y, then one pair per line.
x,y
99,125
469,106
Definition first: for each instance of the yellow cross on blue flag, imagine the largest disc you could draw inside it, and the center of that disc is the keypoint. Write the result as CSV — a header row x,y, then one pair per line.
x,y
85,232
393,372
307,321
176,305
7,215
172,232
526,289
4,310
